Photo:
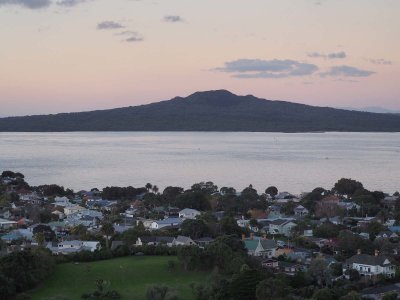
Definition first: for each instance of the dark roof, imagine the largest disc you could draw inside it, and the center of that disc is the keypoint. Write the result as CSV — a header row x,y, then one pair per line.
x,y
205,239
280,222
268,244
366,259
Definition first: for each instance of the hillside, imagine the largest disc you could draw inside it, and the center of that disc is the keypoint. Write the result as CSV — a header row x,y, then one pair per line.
x,y
210,111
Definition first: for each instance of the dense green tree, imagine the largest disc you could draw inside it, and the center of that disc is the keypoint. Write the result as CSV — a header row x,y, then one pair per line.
x,y
207,187
46,230
319,271
353,295
249,193
244,284
195,228
272,191
22,271
390,296
272,289
193,199
228,191
229,226
327,230
346,186
324,294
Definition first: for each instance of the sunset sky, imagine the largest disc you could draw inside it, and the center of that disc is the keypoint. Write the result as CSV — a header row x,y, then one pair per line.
x,y
74,55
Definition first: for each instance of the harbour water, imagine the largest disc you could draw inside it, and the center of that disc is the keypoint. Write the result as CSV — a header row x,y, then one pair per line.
x,y
292,162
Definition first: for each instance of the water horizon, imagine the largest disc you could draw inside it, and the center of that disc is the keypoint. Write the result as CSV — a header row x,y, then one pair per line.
x,y
294,162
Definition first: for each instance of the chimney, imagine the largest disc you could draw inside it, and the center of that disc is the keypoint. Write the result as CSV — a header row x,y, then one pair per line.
x,y
376,253
358,251
252,236
243,237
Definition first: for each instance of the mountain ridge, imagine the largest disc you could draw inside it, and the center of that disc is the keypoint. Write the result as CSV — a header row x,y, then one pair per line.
x,y
217,110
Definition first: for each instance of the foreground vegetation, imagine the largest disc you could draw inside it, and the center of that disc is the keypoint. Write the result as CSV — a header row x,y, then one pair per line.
x,y
130,276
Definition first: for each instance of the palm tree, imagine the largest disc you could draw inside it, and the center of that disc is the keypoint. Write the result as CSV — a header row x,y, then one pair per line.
x,y
148,186
155,189
108,230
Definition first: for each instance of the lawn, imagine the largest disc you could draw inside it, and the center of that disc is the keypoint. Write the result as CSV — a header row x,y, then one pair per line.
x,y
130,276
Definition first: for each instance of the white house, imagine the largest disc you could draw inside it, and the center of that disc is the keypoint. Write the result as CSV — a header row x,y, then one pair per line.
x,y
189,213
73,209
173,222
369,265
5,224
155,240
300,211
67,247
281,226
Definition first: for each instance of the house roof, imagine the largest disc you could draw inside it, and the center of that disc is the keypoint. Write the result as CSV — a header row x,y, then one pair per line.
x,y
366,259
169,221
189,211
205,239
300,207
157,239
280,222
183,239
268,244
252,244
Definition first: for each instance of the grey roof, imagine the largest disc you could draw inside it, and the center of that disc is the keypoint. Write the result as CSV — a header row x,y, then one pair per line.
x,y
268,244
183,239
366,259
205,239
280,222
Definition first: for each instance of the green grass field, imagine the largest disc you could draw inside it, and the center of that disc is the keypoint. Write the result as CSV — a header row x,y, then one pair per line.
x,y
130,276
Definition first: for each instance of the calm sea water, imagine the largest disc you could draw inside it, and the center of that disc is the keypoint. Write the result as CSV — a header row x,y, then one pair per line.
x,y
292,162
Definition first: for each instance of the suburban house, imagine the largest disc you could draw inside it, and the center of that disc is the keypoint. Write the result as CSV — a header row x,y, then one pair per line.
x,y
169,222
349,206
183,241
6,224
101,204
290,268
67,247
281,226
189,213
59,214
370,265
204,241
69,210
301,211
387,234
30,197
121,228
155,240
270,263
257,246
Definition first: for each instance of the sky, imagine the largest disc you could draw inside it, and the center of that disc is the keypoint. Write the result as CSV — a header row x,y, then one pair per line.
x,y
78,55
